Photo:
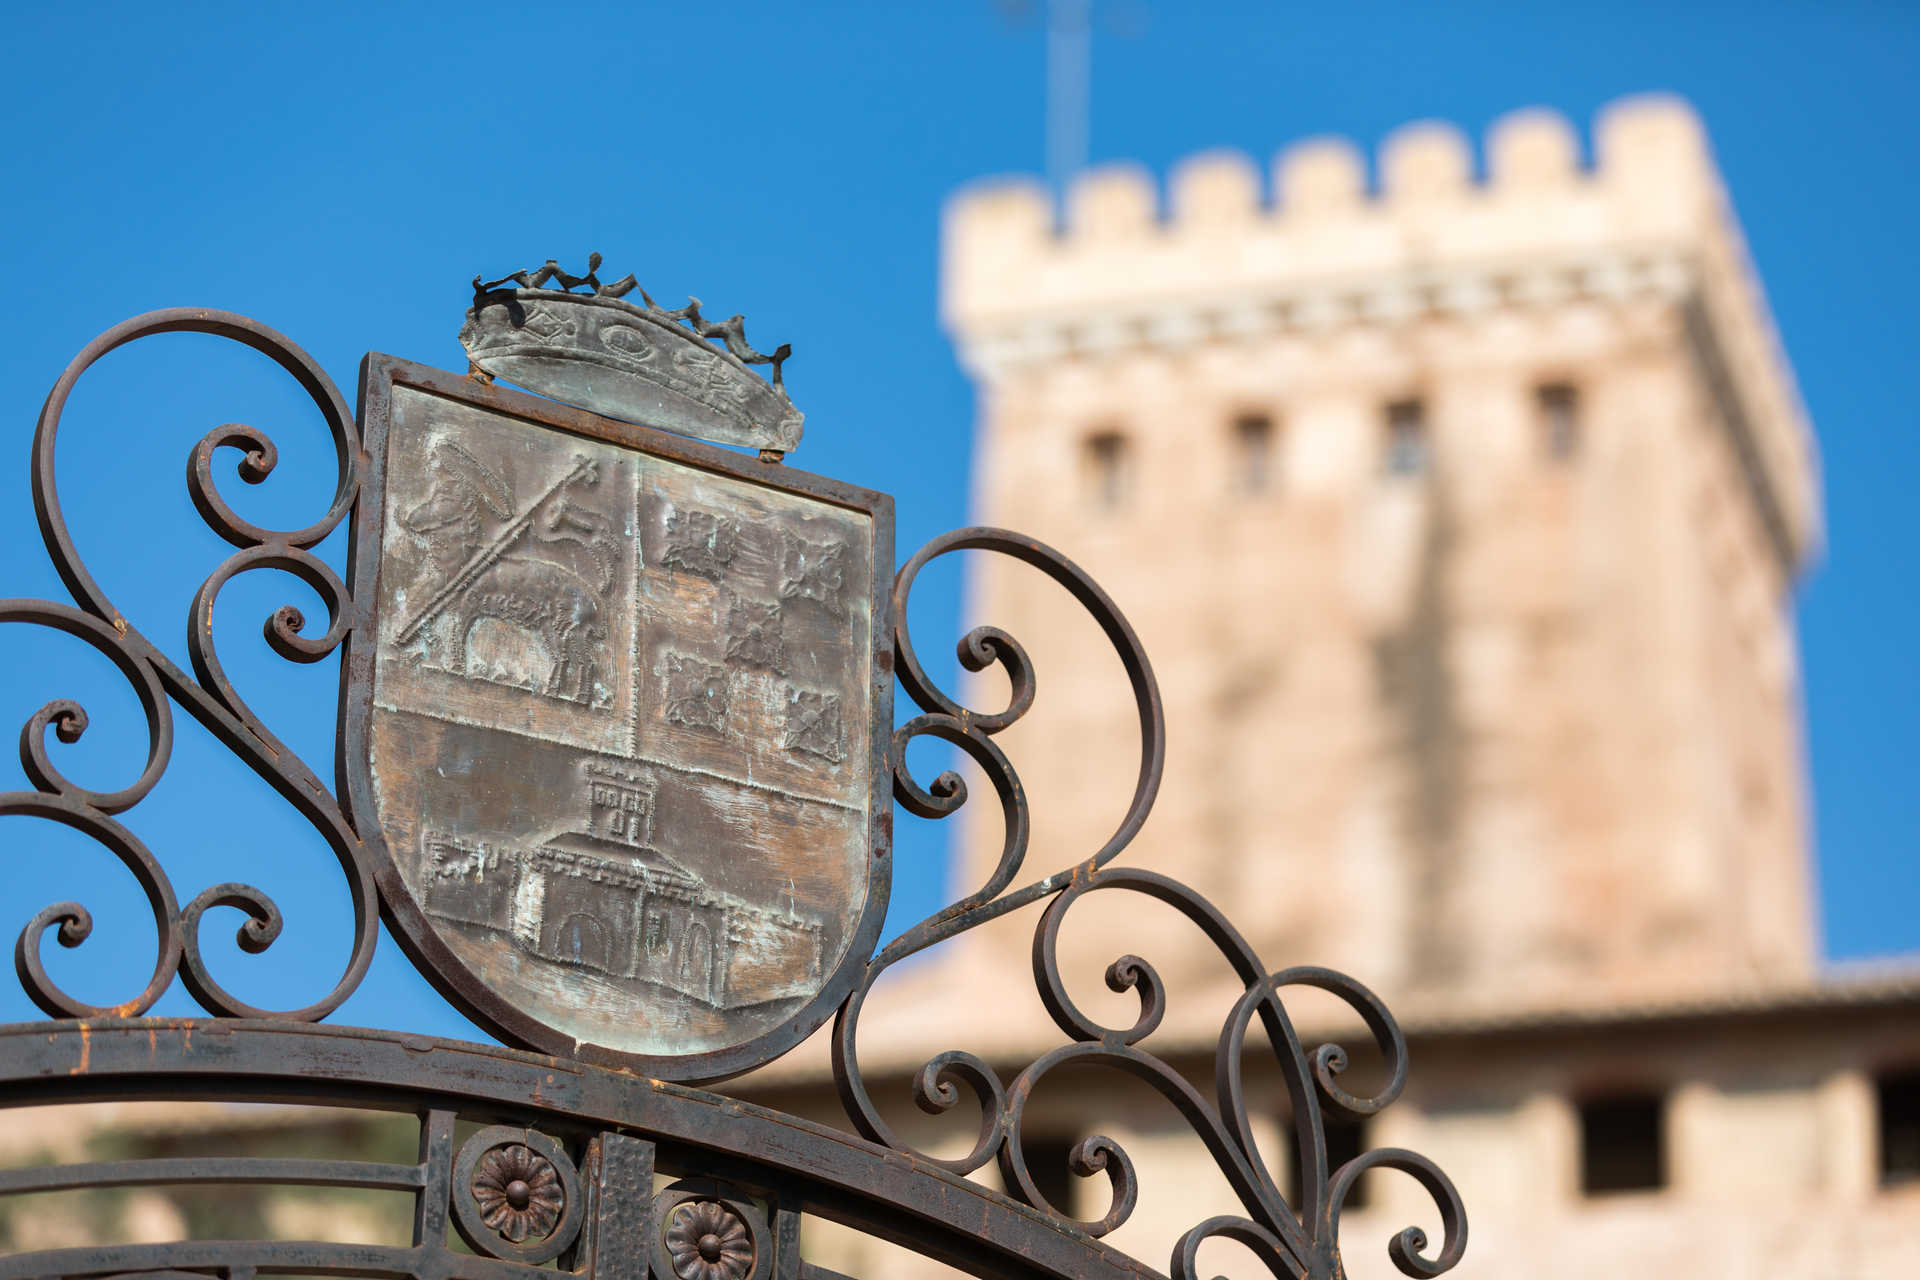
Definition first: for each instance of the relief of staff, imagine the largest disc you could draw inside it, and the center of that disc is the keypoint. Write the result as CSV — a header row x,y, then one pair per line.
x,y
584,470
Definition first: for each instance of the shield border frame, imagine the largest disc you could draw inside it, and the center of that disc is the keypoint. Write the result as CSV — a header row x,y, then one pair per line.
x,y
408,922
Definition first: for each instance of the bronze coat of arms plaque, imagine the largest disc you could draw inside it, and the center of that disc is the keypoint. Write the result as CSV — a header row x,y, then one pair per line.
x,y
618,707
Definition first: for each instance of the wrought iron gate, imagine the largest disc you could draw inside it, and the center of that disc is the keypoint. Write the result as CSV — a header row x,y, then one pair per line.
x,y
562,1174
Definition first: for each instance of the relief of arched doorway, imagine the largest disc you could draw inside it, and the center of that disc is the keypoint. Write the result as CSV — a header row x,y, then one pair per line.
x,y
581,939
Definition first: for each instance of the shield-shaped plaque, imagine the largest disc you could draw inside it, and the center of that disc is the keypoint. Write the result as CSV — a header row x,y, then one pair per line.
x,y
618,707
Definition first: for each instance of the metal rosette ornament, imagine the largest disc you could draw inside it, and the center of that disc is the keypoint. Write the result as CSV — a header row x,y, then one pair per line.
x,y
516,1195
706,1231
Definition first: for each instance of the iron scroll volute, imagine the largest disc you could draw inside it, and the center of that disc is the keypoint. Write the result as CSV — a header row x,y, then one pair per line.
x,y
206,694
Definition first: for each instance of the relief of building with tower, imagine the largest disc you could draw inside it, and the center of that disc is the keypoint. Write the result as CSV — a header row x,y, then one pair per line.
x,y
603,899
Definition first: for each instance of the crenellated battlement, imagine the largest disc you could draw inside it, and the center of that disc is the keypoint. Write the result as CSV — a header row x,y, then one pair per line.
x,y
1653,179
1221,255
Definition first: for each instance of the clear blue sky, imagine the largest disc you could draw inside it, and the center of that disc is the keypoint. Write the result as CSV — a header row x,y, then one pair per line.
x,y
341,172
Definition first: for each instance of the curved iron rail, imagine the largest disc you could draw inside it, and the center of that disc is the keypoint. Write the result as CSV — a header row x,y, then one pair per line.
x,y
798,1166
539,1195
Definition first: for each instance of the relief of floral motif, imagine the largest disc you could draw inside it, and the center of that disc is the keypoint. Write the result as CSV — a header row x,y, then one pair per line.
x,y
707,1241
812,570
518,1191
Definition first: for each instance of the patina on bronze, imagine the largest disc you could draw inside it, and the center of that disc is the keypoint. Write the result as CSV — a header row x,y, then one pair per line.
x,y
619,711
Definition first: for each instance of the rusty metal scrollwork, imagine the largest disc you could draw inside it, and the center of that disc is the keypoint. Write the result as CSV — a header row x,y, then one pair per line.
x,y
1298,1239
208,695
515,1193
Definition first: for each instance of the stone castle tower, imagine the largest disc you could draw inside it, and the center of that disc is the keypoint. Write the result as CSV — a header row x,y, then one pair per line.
x,y
1460,521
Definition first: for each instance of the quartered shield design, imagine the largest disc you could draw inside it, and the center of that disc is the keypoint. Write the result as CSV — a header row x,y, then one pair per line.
x,y
618,706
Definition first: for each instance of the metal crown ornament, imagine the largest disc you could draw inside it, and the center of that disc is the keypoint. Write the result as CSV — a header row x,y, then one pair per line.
x,y
638,363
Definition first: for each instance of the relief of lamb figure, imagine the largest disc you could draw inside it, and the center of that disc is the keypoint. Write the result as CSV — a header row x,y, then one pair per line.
x,y
513,597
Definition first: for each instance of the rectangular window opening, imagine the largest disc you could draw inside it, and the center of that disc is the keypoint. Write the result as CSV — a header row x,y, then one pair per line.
x,y
1406,438
1559,408
1252,454
1048,1164
1107,469
1898,1096
1623,1143
1345,1141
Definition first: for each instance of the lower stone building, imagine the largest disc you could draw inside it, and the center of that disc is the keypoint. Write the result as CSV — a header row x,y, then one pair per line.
x,y
1742,1138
